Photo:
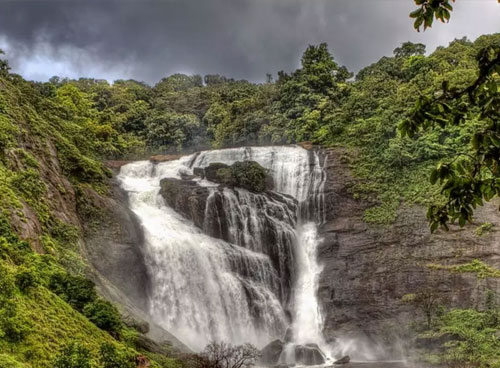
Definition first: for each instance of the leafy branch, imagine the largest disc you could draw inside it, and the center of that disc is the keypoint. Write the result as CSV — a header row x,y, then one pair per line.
x,y
476,176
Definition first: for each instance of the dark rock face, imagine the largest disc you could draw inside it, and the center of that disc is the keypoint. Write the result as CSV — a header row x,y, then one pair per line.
x,y
270,354
185,197
113,245
344,360
309,354
368,269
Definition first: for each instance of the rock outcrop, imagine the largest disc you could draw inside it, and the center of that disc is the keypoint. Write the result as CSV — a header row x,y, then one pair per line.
x,y
368,268
263,222
309,354
186,197
344,360
270,354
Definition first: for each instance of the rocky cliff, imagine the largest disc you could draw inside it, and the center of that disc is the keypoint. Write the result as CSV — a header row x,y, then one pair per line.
x,y
368,269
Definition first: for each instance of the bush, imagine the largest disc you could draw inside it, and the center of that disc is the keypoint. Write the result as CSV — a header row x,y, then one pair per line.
x,y
104,315
110,357
75,290
7,285
7,361
73,356
244,174
249,175
13,327
26,278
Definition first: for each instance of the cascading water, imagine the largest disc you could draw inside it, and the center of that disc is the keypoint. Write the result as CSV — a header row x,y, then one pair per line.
x,y
235,288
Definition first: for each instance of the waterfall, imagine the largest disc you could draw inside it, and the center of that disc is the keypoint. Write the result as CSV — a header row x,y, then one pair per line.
x,y
254,258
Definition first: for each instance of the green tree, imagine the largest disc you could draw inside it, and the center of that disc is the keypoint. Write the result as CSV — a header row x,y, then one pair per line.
x,y
306,96
167,128
473,175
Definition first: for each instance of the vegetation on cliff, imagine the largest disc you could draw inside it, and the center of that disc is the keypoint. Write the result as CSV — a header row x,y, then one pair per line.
x,y
243,174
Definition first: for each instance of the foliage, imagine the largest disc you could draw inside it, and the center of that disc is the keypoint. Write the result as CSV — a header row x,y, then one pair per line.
x,y
483,229
472,176
110,357
430,9
73,356
473,341
104,315
75,290
480,269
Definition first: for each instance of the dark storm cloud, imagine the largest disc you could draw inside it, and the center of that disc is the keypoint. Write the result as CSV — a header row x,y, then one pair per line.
x,y
147,40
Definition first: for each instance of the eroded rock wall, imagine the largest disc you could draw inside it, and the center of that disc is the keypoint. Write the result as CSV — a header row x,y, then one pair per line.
x,y
368,269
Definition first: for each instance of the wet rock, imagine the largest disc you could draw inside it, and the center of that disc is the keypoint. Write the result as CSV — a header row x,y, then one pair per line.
x,y
270,354
309,354
343,360
198,171
114,243
185,197
211,171
288,335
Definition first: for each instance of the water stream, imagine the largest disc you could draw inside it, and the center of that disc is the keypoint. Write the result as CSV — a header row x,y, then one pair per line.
x,y
257,279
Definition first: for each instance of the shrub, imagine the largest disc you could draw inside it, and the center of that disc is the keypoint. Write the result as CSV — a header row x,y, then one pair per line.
x,y
73,356
104,315
75,290
7,285
12,326
7,361
249,175
244,174
26,278
110,357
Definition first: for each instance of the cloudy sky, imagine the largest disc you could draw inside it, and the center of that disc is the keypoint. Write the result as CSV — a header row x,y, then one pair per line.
x,y
147,40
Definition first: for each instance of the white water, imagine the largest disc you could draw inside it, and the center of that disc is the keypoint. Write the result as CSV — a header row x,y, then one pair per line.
x,y
207,289
308,322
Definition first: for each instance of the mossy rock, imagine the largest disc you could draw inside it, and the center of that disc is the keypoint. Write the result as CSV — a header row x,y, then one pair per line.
x,y
249,175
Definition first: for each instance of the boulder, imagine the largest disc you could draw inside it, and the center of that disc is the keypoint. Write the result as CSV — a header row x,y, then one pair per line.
x,y
270,354
309,354
185,197
344,360
211,171
199,171
249,175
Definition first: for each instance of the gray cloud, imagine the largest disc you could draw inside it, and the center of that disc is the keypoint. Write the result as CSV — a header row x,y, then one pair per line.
x,y
147,40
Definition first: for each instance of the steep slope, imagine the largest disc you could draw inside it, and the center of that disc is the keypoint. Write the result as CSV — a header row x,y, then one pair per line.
x,y
53,189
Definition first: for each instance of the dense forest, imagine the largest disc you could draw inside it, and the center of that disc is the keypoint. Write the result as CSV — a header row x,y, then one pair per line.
x,y
52,316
